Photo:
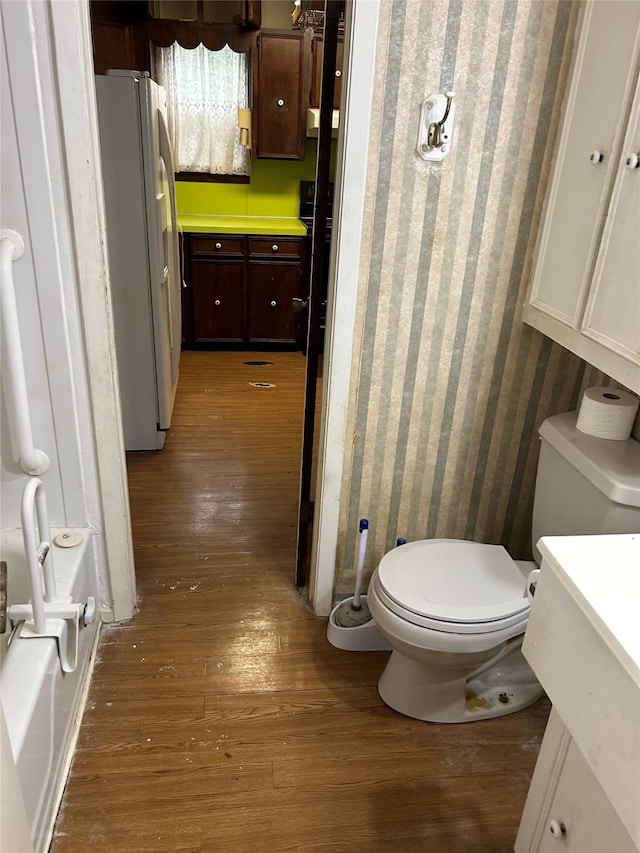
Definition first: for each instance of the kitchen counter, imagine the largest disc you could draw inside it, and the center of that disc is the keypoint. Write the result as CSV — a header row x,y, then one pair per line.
x,y
272,225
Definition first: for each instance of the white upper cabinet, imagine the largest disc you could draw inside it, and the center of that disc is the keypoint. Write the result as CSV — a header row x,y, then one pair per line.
x,y
585,292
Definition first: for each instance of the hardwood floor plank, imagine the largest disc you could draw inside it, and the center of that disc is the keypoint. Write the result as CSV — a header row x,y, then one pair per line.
x,y
120,710
170,789
219,719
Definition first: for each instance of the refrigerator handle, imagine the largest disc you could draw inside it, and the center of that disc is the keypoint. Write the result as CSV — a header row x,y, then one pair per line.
x,y
167,156
31,460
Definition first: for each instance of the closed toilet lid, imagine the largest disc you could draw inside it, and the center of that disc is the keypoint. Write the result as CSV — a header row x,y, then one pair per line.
x,y
454,580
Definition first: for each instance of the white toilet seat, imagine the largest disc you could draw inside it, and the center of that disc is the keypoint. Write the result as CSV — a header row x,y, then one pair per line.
x,y
453,586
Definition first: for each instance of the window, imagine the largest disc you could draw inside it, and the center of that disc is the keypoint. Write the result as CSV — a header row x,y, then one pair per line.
x,y
205,89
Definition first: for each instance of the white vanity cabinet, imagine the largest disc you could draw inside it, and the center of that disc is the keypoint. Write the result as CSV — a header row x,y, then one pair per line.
x,y
585,292
583,643
567,809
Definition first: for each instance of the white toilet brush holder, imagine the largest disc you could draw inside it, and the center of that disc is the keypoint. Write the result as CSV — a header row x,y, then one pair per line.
x,y
356,638
350,624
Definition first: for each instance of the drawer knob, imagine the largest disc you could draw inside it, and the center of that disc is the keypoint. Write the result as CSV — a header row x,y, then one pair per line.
x,y
557,829
596,157
218,245
280,102
273,303
275,247
338,73
217,303
633,161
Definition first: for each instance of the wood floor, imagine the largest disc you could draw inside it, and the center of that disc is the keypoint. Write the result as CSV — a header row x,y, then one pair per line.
x,y
219,718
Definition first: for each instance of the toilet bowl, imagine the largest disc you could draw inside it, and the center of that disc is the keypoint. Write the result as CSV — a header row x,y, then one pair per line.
x,y
454,613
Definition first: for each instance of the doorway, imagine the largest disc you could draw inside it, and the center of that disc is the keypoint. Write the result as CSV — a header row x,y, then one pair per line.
x,y
360,32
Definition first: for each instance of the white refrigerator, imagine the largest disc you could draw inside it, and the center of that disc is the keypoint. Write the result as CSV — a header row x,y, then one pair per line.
x,y
143,249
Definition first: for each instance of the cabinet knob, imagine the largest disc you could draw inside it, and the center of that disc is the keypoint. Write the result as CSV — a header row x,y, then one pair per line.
x,y
275,247
633,161
280,102
217,303
557,829
596,157
338,73
273,303
218,245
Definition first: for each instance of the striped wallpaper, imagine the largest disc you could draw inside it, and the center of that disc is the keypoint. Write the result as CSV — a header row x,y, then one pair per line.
x,y
449,386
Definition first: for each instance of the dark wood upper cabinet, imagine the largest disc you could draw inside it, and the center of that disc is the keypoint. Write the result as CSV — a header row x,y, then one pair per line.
x,y
119,35
243,13
251,14
117,12
280,95
125,33
316,73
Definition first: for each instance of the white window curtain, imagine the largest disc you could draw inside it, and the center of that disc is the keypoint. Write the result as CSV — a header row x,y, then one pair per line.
x,y
204,89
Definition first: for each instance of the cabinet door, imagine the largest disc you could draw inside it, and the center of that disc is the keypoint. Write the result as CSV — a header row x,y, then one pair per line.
x,y
281,95
613,311
218,305
567,809
597,102
316,74
272,288
580,818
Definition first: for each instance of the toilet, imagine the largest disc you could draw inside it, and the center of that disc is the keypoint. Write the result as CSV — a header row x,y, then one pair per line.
x,y
455,611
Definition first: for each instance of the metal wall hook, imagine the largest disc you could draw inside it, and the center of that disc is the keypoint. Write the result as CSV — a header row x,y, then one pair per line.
x,y
435,132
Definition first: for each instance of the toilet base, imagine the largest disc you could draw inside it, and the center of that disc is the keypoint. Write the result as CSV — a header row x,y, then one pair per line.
x,y
426,692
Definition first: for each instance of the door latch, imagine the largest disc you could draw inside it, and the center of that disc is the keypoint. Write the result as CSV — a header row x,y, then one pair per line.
x,y
435,132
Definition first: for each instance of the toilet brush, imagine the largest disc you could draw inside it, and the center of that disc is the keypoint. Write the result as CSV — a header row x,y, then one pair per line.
x,y
353,611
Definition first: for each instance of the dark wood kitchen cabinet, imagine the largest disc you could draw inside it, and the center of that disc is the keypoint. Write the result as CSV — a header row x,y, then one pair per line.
x,y
218,301
316,72
281,86
216,284
241,290
275,279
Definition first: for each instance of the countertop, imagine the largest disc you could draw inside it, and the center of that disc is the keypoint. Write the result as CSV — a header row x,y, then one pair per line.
x,y
602,573
272,225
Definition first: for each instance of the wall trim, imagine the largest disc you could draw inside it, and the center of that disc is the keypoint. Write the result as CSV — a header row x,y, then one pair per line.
x,y
78,125
344,271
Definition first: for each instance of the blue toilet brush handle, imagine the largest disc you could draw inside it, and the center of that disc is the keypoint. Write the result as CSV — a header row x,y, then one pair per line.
x,y
364,531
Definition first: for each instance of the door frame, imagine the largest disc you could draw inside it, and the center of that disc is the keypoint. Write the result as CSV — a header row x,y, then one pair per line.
x,y
77,102
344,272
77,124
333,10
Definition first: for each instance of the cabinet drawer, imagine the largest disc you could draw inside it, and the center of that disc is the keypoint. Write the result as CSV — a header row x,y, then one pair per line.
x,y
275,247
220,244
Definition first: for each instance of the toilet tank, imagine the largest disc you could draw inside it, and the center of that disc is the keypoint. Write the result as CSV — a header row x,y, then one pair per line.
x,y
584,485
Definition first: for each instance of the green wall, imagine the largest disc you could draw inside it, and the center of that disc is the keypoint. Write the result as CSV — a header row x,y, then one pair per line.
x,y
274,189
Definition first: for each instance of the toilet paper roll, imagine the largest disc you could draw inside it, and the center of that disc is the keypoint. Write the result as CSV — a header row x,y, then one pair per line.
x,y
607,413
